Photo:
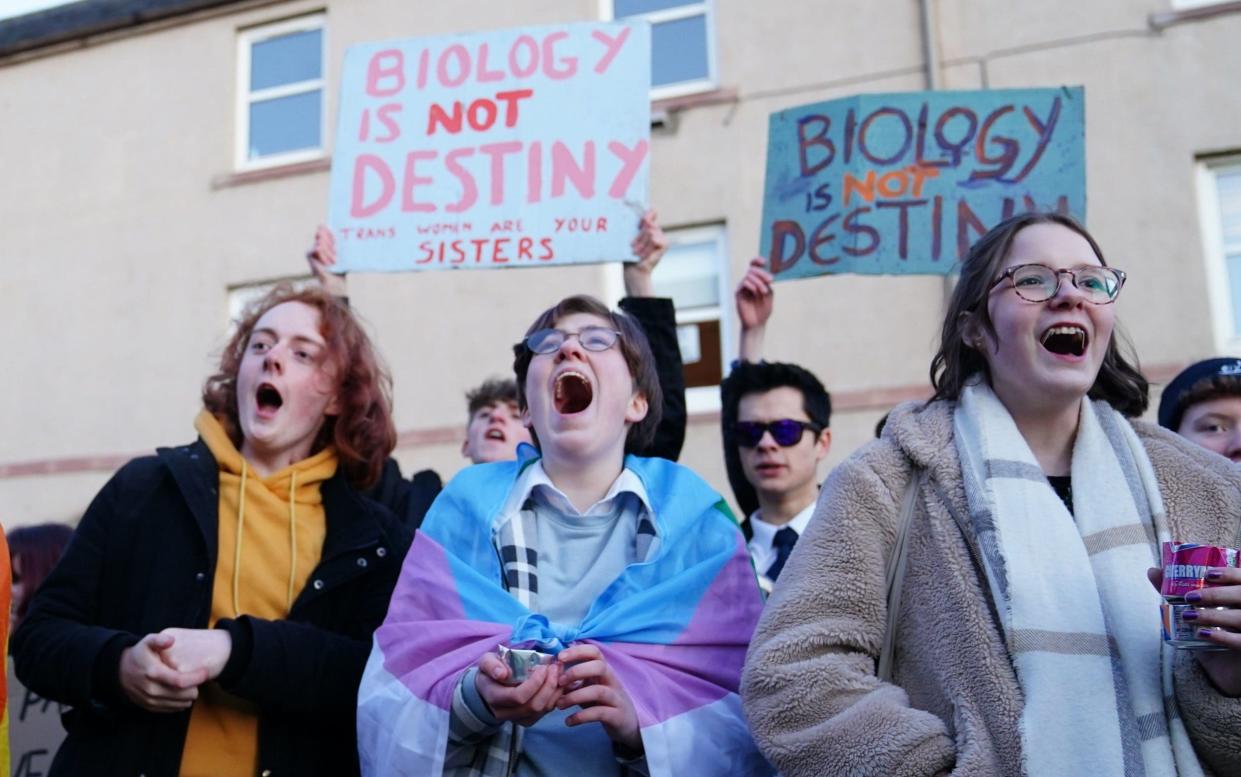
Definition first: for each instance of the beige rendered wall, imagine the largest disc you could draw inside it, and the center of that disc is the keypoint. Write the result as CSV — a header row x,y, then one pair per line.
x,y
121,242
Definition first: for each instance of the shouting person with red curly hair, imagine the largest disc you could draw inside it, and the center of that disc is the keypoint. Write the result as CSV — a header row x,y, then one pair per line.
x,y
213,613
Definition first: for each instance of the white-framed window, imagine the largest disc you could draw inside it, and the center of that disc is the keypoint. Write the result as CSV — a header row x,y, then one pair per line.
x,y
1182,5
280,92
693,273
1219,191
682,42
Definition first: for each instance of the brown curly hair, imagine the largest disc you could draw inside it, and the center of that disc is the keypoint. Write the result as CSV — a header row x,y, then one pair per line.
x,y
363,433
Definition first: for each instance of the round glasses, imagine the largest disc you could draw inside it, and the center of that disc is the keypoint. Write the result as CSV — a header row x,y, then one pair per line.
x,y
785,432
1039,283
592,338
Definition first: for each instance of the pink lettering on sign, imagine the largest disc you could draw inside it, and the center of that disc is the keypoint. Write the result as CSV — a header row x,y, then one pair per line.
x,y
457,65
611,45
571,167
385,75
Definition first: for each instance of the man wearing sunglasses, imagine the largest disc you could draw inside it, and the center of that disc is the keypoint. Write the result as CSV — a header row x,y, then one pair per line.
x,y
774,420
780,435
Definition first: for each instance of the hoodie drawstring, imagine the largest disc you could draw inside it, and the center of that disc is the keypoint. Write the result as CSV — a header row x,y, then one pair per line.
x,y
292,538
241,525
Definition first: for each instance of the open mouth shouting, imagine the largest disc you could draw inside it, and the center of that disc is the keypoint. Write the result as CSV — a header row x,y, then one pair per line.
x,y
267,400
572,392
1065,340
495,434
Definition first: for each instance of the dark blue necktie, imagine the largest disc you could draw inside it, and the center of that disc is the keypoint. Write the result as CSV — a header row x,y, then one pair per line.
x,y
783,542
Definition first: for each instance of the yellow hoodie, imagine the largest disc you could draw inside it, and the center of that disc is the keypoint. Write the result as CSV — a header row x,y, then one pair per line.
x,y
271,534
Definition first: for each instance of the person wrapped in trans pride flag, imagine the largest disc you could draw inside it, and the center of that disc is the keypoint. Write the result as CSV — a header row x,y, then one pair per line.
x,y
631,572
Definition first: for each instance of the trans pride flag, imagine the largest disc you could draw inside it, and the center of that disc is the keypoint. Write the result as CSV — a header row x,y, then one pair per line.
x,y
674,628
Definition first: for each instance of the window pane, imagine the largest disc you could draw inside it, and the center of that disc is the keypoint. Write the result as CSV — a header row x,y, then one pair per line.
x,y
286,59
689,274
708,368
1229,183
634,7
1233,262
679,51
284,124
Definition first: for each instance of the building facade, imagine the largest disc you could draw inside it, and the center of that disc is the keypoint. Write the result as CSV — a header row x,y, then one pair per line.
x,y
165,160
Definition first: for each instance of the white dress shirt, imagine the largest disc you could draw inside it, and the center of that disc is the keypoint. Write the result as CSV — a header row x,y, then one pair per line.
x,y
761,551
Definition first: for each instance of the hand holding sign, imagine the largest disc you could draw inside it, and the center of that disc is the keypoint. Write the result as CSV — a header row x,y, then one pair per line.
x,y
649,246
322,257
755,302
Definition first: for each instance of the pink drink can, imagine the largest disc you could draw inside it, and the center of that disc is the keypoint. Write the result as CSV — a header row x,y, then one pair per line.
x,y
1185,567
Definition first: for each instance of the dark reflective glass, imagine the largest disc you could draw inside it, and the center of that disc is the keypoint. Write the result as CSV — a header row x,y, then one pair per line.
x,y
785,431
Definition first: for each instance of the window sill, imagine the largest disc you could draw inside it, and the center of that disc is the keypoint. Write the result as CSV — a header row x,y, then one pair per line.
x,y
1165,19
272,173
720,96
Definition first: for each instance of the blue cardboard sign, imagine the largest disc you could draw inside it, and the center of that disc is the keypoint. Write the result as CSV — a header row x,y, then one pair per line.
x,y
905,183
523,147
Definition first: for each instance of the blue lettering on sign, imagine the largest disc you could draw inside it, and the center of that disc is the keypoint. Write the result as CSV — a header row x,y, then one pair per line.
x,y
904,183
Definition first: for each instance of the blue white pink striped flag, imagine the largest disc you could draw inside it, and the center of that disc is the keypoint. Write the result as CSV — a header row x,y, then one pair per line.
x,y
674,628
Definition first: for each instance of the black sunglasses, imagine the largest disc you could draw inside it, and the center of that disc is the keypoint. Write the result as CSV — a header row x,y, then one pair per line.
x,y
785,431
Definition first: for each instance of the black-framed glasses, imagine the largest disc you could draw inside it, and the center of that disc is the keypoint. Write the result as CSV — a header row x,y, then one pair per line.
x,y
785,431
1039,283
592,338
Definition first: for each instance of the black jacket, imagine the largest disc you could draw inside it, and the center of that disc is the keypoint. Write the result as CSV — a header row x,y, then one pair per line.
x,y
143,559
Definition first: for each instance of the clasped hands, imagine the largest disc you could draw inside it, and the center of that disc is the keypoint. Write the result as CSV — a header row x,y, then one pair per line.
x,y
580,676
162,672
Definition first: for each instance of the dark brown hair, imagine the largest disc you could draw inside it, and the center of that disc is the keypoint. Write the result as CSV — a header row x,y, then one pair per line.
x,y
363,432
634,347
495,391
1119,382
39,548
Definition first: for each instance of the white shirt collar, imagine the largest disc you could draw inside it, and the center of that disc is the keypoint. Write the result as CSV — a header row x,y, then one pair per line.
x,y
764,532
535,476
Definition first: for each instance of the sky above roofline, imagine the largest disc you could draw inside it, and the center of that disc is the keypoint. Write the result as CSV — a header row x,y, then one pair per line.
x,y
10,8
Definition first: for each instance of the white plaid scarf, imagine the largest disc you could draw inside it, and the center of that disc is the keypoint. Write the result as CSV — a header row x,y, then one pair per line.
x,y
1078,615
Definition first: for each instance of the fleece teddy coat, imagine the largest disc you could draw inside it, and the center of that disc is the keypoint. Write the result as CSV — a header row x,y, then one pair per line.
x,y
809,688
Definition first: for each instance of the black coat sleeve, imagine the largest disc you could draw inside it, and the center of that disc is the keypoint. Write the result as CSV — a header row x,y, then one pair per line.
x,y
410,499
657,317
291,667
60,651
743,492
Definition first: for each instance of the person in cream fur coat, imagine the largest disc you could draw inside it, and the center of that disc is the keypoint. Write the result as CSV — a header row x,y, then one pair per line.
x,y
1027,637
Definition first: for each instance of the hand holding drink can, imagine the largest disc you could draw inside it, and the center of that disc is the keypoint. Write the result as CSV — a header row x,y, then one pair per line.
x,y
1186,568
